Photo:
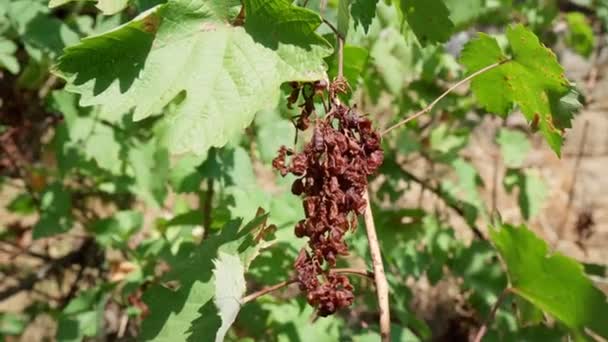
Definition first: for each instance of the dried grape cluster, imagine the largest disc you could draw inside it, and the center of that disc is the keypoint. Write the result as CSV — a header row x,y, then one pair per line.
x,y
332,172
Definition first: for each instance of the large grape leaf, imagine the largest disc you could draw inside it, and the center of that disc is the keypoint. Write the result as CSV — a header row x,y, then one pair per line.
x,y
531,78
195,311
551,281
217,74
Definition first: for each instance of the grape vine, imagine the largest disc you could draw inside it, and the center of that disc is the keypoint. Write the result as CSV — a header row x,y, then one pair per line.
x,y
333,168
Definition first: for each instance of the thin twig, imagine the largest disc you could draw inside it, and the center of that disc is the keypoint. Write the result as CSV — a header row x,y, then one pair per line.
x,y
21,250
333,28
54,266
445,93
453,204
266,290
577,164
379,276
484,328
340,56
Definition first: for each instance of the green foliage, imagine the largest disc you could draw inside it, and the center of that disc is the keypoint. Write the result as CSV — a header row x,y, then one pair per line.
x,y
82,317
363,12
55,212
513,146
531,78
532,190
7,58
580,36
191,312
551,281
429,19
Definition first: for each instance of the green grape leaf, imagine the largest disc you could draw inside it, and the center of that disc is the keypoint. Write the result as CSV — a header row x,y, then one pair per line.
x,y
12,323
7,56
40,32
272,132
580,35
107,7
429,19
532,78
532,190
229,289
23,204
514,146
55,212
116,230
190,312
83,316
551,281
463,12
150,163
363,12
343,17
96,140
220,74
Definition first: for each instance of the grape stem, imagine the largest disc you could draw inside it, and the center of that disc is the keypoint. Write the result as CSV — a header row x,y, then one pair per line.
x,y
379,275
484,328
266,290
446,93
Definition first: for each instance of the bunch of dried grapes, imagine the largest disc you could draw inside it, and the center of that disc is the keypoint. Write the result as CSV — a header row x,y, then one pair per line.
x,y
332,172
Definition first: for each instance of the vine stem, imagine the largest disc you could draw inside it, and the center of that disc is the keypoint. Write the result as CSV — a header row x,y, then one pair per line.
x,y
445,93
484,328
266,290
379,275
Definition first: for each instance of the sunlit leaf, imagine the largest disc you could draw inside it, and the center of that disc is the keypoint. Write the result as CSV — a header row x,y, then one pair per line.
x,y
553,282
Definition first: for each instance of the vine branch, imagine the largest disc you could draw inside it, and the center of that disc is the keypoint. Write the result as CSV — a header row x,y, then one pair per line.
x,y
445,93
454,204
372,238
379,275
266,290
484,328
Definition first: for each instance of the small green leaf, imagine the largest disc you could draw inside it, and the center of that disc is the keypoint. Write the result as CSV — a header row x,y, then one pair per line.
x,y
363,12
116,230
22,204
7,56
580,36
12,324
41,33
55,212
514,146
429,19
532,78
532,190
229,288
343,17
553,282
463,12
